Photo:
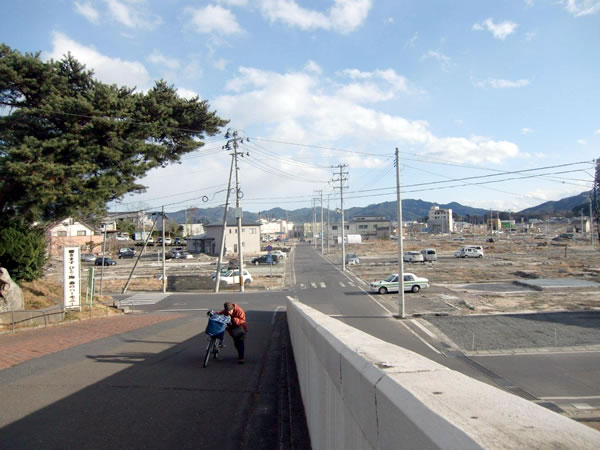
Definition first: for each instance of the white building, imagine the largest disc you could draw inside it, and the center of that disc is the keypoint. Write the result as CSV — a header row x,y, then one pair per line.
x,y
210,242
271,229
440,220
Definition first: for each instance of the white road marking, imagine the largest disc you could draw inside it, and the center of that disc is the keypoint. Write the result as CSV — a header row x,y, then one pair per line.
x,y
302,286
422,328
583,406
189,309
313,285
342,284
143,299
351,284
390,313
590,397
323,285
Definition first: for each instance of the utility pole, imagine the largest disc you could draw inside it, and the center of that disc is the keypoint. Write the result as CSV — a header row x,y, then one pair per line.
x,y
103,259
341,180
400,239
224,235
328,228
591,224
233,142
164,271
321,230
314,226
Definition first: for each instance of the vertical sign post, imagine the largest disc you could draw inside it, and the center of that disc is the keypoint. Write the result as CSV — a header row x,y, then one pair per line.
x,y
72,292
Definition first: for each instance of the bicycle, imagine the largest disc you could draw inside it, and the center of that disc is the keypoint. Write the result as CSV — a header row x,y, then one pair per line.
x,y
215,330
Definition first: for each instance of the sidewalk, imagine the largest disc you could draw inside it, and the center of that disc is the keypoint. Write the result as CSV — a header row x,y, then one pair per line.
x,y
34,343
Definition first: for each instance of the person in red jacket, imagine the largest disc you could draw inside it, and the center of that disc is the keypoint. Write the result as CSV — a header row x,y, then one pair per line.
x,y
238,327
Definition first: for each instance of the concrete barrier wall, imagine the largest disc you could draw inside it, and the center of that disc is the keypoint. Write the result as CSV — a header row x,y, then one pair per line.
x,y
360,392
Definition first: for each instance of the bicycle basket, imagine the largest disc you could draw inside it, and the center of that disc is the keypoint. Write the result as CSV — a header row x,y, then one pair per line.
x,y
217,324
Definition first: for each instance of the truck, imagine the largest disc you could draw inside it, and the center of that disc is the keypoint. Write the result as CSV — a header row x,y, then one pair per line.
x,y
350,239
140,235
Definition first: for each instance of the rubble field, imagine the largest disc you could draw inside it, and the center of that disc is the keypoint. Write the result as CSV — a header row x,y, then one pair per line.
x,y
494,283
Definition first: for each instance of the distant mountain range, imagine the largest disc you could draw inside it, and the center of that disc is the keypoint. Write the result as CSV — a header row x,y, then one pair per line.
x,y
411,210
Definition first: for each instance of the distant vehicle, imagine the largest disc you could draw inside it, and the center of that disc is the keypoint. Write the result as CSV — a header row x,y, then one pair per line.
x,y
178,241
475,251
167,241
429,254
278,253
459,238
491,240
413,257
122,237
88,257
352,259
539,236
106,261
233,277
265,259
185,255
411,283
128,253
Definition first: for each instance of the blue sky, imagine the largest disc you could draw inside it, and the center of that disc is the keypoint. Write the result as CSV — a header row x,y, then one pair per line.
x,y
463,88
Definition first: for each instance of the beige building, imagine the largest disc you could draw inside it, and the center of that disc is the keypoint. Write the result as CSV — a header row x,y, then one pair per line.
x,y
70,233
210,242
440,220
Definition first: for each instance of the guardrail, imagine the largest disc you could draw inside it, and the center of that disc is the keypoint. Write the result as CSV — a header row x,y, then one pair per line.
x,y
31,318
361,392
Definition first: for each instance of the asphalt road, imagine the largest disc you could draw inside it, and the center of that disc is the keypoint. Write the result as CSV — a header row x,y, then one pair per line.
x,y
147,388
551,359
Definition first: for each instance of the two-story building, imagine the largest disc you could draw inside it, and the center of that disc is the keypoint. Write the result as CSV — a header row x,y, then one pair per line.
x,y
368,227
210,242
71,233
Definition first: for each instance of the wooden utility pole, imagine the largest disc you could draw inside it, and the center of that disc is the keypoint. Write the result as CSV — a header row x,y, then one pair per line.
x,y
401,308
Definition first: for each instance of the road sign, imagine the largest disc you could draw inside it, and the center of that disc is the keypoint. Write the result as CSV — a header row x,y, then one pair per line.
x,y
269,248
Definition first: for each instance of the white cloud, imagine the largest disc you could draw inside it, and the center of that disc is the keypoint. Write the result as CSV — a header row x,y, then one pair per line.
x,y
497,83
87,11
412,41
377,86
220,64
213,19
186,93
309,108
444,60
132,14
312,66
581,141
343,17
597,131
156,57
234,2
106,69
525,131
499,30
580,8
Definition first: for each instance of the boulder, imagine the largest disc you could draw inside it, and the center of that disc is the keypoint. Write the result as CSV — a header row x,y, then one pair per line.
x,y
11,295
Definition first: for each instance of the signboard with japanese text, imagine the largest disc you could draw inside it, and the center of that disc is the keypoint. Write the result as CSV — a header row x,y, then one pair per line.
x,y
72,292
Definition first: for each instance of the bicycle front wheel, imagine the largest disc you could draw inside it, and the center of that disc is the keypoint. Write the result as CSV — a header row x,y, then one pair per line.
x,y
209,349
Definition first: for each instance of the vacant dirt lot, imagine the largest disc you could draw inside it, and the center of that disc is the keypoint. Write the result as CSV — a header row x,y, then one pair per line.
x,y
493,283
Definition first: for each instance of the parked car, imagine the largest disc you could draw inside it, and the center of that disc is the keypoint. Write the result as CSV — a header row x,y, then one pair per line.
x,y
185,255
459,238
122,237
106,260
130,253
475,251
352,259
278,253
88,257
429,254
413,257
178,241
411,283
233,277
265,259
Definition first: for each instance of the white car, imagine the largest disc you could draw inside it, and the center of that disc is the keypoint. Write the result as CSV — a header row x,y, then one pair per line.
x,y
412,283
279,253
413,257
474,251
233,277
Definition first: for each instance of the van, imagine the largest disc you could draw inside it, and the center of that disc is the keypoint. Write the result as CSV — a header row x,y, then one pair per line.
x,y
472,252
429,254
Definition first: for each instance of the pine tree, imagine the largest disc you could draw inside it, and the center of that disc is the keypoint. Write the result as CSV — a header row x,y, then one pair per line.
x,y
70,143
